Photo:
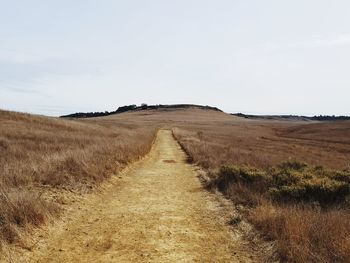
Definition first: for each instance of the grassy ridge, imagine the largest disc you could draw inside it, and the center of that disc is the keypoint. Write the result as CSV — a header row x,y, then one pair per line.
x,y
131,108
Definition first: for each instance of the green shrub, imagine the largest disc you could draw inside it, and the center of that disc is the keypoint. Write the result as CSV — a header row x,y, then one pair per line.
x,y
322,190
228,175
292,165
342,176
290,181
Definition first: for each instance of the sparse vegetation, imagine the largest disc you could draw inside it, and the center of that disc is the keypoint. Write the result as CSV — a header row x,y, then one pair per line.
x,y
39,151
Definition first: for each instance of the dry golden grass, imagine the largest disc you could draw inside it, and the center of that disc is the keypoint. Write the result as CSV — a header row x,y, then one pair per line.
x,y
262,143
304,231
37,151
305,234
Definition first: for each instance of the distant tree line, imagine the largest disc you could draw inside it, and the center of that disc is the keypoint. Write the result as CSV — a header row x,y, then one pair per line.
x,y
299,117
100,114
134,107
330,118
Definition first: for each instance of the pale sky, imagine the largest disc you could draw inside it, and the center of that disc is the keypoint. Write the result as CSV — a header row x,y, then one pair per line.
x,y
251,56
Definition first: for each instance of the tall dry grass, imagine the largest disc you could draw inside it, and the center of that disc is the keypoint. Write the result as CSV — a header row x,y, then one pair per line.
x,y
262,144
308,224
37,151
305,234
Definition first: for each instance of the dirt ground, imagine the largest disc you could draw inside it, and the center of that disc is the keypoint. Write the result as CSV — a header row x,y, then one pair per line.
x,y
156,210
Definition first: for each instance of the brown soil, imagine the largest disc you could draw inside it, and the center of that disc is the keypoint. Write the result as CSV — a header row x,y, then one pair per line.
x,y
154,211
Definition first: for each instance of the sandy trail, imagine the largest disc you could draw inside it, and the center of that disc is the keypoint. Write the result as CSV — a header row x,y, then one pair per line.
x,y
155,211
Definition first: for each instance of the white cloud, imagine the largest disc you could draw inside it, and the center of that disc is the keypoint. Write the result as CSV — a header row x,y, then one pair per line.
x,y
340,40
16,56
313,42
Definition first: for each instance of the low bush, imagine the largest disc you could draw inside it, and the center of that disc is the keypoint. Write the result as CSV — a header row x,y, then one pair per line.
x,y
227,176
295,205
289,182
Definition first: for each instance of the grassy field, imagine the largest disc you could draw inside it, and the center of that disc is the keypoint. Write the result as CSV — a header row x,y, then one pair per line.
x,y
249,142
262,143
290,179
40,153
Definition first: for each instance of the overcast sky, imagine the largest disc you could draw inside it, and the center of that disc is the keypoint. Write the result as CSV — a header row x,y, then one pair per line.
x,y
252,56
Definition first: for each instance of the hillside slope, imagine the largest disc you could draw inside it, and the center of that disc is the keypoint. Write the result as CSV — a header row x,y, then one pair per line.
x,y
41,157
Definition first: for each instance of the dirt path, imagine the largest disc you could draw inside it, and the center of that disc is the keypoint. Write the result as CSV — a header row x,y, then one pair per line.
x,y
155,211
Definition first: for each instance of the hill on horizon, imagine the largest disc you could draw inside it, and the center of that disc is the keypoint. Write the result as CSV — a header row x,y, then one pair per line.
x,y
134,107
